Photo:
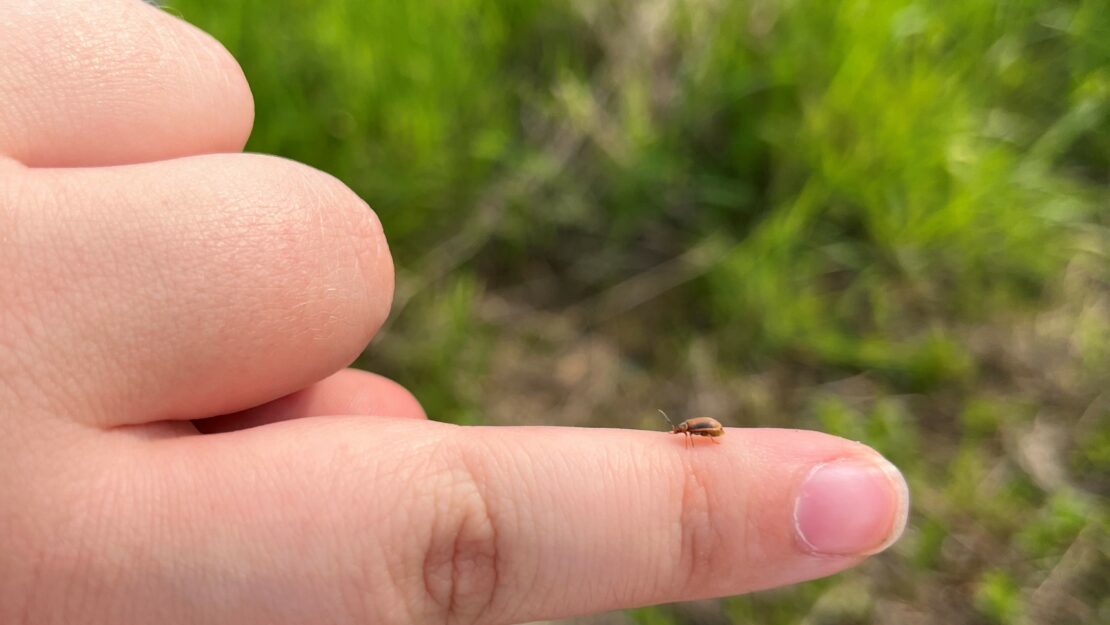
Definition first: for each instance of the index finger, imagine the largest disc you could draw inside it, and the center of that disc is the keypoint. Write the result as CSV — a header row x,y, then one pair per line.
x,y
441,524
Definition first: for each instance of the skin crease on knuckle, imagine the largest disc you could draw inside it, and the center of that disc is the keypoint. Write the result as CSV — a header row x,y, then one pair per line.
x,y
421,544
701,558
719,523
459,566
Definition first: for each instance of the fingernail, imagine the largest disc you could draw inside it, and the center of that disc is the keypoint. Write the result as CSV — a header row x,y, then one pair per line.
x,y
851,507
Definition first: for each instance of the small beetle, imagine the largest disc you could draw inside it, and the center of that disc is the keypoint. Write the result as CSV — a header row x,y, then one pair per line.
x,y
698,426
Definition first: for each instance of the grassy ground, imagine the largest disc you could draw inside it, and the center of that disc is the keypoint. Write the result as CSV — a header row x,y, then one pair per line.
x,y
881,219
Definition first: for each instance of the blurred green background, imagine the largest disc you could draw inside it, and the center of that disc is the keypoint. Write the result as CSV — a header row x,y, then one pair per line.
x,y
881,219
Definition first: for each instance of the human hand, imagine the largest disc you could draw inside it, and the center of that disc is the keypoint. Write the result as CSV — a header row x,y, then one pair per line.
x,y
152,276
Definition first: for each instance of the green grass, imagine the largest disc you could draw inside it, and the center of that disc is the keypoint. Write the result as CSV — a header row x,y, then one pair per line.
x,y
886,220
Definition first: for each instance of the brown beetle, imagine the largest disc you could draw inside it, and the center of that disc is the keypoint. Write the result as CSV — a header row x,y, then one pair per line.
x,y
698,426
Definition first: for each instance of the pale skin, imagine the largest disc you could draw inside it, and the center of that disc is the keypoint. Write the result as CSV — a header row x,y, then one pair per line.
x,y
153,275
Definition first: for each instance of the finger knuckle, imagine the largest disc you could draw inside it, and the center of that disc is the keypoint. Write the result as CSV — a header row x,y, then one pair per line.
x,y
460,566
701,552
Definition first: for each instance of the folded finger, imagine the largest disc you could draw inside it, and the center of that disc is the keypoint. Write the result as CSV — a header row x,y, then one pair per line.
x,y
347,392
119,82
193,287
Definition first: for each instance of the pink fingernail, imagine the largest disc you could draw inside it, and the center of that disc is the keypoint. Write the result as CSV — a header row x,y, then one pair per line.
x,y
851,507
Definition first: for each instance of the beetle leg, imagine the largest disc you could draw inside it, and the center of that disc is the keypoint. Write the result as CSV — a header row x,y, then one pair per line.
x,y
715,440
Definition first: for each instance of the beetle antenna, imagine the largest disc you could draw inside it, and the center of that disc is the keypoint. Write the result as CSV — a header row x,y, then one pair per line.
x,y
666,417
